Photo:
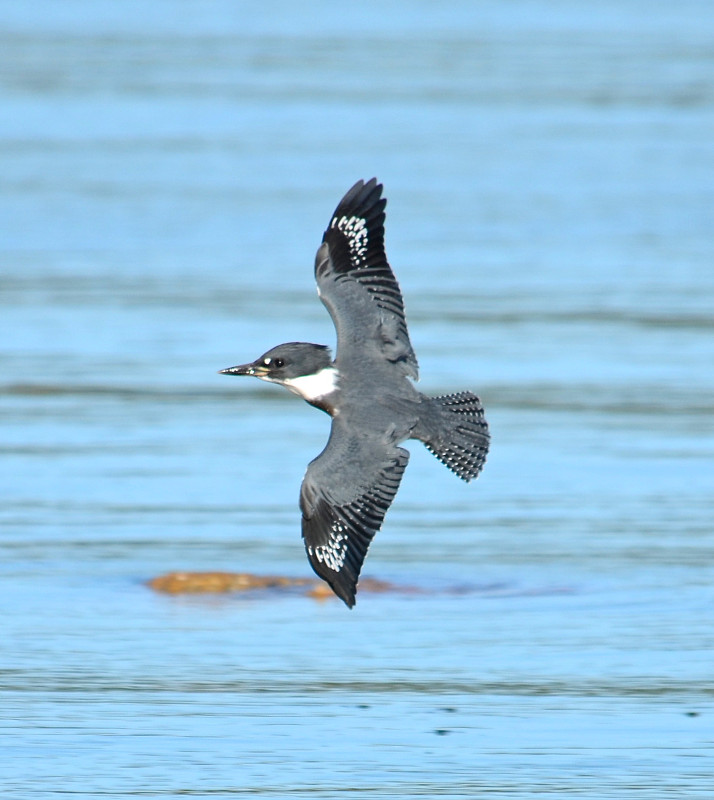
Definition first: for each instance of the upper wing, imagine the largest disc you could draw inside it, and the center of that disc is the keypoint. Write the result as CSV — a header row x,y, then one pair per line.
x,y
357,285
345,494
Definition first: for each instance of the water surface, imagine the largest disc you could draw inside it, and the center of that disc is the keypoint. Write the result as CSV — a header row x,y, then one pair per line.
x,y
167,174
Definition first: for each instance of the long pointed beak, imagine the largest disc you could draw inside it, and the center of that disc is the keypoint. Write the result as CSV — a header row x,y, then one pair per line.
x,y
244,369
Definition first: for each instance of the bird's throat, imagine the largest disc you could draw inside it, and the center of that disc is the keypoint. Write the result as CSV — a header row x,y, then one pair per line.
x,y
314,387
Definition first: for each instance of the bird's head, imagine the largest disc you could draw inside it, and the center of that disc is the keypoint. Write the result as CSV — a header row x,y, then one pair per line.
x,y
286,363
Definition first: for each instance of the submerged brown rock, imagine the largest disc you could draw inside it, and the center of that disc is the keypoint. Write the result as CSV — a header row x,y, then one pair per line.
x,y
220,582
236,582
224,582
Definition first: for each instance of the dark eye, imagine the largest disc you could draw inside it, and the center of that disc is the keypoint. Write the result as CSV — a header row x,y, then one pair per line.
x,y
278,362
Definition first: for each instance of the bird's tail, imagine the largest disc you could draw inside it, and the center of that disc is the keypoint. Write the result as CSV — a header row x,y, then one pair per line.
x,y
461,439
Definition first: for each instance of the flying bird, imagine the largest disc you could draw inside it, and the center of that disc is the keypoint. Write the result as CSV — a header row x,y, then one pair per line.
x,y
367,391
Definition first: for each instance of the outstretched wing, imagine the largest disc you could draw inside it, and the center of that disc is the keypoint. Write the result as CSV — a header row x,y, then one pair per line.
x,y
345,494
357,285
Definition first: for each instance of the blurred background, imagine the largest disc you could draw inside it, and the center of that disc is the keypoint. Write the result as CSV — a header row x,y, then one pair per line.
x,y
167,170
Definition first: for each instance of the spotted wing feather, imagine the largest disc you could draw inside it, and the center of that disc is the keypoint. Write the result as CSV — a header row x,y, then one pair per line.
x,y
355,281
346,492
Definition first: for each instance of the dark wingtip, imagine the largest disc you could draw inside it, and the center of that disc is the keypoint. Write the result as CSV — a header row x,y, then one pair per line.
x,y
362,196
361,185
371,184
343,587
349,598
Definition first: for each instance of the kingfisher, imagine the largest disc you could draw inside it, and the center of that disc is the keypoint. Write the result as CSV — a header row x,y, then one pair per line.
x,y
368,392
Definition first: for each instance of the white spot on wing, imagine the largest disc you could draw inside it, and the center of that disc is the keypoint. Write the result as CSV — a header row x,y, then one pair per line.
x,y
355,231
333,554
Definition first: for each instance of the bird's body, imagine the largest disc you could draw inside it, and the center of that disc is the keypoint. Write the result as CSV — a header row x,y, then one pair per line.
x,y
368,392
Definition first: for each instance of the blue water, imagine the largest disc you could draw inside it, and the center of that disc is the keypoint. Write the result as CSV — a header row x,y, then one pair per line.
x,y
167,171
